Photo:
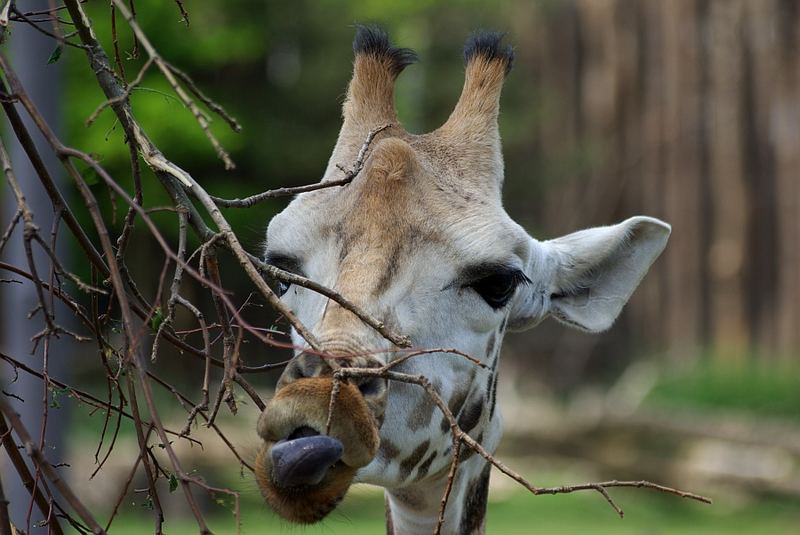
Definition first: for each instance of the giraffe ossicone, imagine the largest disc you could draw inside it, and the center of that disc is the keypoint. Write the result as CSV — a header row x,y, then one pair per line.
x,y
421,241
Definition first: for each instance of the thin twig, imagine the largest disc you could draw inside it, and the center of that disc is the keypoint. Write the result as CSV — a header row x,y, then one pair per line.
x,y
335,387
184,13
62,40
203,404
128,90
199,116
349,175
186,403
451,476
213,106
125,486
115,43
208,258
164,167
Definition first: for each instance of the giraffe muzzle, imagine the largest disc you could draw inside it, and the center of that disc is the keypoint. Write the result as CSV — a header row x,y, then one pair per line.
x,y
305,466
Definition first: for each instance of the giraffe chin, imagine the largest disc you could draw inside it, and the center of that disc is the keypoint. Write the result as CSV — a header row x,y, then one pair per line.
x,y
305,504
292,424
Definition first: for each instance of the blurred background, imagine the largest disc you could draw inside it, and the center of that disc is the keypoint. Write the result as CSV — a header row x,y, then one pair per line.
x,y
687,110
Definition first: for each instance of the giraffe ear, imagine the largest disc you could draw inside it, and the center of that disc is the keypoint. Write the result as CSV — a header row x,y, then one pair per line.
x,y
596,270
584,279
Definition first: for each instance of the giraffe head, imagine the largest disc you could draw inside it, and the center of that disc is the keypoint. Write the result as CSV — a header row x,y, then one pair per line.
x,y
421,241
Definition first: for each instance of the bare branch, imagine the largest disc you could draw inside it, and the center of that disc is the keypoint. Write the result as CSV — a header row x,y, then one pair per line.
x,y
87,398
451,476
5,520
46,468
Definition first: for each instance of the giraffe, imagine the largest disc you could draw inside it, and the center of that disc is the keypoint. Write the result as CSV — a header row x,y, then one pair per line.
x,y
420,239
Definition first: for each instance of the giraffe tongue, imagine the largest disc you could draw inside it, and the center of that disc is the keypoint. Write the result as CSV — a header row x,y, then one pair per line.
x,y
304,461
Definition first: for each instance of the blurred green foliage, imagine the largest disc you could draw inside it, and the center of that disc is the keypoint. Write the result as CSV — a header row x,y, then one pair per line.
x,y
281,69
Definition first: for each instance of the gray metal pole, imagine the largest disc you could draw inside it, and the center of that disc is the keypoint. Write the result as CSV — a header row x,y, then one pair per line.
x,y
30,51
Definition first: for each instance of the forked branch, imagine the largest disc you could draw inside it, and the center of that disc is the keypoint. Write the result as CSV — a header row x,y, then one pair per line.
x,y
462,438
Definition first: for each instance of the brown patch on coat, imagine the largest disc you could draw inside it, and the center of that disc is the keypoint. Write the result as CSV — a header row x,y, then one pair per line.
x,y
410,498
471,414
456,401
422,413
473,519
388,451
411,462
426,465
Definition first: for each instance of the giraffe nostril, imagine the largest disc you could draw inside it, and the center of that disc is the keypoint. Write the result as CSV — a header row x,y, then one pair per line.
x,y
296,372
303,367
372,387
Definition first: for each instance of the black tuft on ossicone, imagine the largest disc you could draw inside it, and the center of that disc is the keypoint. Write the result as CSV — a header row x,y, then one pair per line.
x,y
372,39
490,46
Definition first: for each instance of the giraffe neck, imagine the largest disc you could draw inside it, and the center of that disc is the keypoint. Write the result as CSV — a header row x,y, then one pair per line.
x,y
416,510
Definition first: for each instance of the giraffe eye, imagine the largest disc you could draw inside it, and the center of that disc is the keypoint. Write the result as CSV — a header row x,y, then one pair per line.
x,y
498,288
286,263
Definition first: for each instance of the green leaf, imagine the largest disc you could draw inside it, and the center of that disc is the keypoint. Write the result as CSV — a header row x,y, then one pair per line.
x,y
55,394
90,177
55,55
157,319
173,483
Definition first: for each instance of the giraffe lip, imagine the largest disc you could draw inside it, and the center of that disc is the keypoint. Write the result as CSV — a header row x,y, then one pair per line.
x,y
304,461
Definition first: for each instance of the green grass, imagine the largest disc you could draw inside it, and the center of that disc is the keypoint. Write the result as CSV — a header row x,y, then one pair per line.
x,y
748,389
710,387
520,513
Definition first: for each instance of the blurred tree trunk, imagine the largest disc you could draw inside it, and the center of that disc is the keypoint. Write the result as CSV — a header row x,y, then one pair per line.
x,y
682,177
30,51
688,110
784,133
729,231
